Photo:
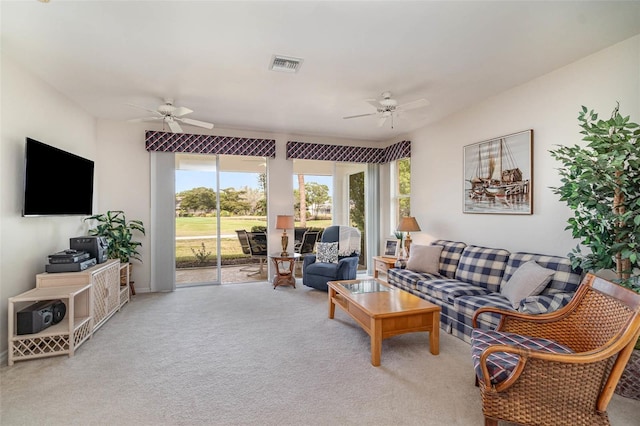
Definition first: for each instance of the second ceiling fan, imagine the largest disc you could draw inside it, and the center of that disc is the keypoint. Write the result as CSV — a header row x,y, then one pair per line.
x,y
388,108
172,116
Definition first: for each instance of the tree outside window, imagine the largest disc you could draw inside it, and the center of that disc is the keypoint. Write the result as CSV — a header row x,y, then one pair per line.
x,y
403,188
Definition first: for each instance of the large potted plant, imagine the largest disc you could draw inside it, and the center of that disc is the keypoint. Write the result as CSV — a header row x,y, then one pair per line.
x,y
119,233
601,184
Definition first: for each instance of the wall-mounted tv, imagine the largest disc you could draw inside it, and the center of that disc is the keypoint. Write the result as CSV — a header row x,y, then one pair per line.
x,y
56,182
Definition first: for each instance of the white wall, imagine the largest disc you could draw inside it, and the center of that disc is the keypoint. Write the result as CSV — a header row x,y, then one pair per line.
x,y
549,105
31,108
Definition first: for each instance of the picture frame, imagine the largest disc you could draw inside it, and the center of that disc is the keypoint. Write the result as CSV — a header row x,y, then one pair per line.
x,y
498,175
391,247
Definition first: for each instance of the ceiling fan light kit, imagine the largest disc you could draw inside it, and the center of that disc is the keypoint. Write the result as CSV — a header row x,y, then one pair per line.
x,y
388,108
172,116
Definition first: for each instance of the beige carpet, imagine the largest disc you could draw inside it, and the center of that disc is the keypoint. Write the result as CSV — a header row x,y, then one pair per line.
x,y
246,354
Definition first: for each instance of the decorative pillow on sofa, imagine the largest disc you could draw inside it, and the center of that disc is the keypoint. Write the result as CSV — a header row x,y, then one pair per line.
x,y
327,252
424,258
528,280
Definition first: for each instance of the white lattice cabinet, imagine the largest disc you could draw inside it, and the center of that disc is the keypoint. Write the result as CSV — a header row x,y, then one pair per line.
x,y
105,287
59,339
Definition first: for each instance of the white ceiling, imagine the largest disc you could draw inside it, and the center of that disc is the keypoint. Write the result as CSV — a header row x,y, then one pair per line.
x,y
213,56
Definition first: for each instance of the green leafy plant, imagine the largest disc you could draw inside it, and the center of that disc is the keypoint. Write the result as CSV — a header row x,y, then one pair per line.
x,y
601,184
201,254
119,233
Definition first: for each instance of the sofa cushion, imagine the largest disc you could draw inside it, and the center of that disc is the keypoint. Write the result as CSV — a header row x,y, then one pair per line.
x,y
450,256
447,289
482,266
327,252
528,280
466,306
406,278
501,364
565,278
424,258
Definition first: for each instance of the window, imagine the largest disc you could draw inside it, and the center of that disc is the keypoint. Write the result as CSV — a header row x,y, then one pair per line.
x,y
401,190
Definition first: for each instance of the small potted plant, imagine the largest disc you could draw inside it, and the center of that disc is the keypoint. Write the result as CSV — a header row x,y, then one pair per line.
x,y
119,233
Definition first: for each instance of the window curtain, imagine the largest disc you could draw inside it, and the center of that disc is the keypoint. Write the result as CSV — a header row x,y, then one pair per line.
x,y
373,211
163,209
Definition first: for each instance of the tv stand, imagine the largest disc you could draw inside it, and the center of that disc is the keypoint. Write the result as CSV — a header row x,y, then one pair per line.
x,y
91,296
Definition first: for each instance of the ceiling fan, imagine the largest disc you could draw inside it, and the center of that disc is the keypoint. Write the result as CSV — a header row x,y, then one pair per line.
x,y
387,107
172,116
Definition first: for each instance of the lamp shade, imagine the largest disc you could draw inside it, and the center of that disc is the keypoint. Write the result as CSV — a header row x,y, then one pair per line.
x,y
408,224
284,222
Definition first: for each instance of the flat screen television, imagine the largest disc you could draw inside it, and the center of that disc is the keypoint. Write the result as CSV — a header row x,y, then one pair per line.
x,y
56,182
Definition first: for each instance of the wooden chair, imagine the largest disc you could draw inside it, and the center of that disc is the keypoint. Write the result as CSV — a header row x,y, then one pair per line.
x,y
571,380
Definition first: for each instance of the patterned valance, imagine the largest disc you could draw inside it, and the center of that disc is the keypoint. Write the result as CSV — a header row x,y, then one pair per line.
x,y
350,154
397,151
208,144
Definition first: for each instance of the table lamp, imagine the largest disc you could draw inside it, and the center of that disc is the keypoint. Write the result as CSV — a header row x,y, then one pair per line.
x,y
408,224
284,222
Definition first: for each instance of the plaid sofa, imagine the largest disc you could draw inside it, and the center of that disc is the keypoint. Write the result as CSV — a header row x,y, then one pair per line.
x,y
470,277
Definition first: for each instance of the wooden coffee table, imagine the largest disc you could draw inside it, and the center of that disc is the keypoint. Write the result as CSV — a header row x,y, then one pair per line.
x,y
384,311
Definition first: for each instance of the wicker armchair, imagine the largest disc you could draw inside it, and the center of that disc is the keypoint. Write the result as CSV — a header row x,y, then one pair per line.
x,y
568,374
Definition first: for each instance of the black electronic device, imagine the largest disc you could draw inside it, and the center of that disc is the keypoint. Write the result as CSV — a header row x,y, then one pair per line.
x,y
70,267
40,315
95,246
56,182
68,256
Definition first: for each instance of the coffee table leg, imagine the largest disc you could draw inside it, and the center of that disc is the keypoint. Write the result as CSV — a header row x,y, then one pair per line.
x,y
376,341
434,334
332,306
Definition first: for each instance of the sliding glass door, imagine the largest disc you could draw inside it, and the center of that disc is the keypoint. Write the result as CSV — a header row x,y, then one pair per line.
x,y
217,197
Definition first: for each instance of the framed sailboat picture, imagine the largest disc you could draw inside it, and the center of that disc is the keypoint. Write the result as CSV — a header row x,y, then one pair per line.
x,y
498,175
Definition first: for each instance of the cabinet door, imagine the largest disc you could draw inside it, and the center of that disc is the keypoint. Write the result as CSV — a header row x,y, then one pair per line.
x,y
106,295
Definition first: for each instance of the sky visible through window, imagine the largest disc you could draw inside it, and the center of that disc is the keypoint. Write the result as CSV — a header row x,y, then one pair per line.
x,y
189,179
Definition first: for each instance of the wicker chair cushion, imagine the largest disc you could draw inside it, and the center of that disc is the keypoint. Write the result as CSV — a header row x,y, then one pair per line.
x,y
501,364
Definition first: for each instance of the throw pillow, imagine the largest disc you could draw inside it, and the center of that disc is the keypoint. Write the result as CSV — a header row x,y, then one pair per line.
x,y
528,280
424,258
327,252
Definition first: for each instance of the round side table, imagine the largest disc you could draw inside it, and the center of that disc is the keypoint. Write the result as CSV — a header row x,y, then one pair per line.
x,y
284,264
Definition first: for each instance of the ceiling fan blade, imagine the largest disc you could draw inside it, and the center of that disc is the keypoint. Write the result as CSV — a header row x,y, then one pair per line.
x,y
140,120
373,102
382,120
196,122
174,126
146,109
360,115
414,104
180,111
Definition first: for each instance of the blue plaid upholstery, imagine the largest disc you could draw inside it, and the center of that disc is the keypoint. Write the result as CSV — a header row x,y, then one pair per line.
x,y
544,303
482,266
565,280
501,364
470,278
406,278
449,257
447,290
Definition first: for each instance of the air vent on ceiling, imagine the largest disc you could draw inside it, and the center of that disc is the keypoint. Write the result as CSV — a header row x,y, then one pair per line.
x,y
285,63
